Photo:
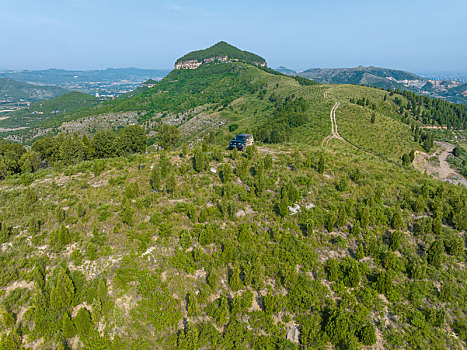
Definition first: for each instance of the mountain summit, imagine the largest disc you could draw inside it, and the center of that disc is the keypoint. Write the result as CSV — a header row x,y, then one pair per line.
x,y
220,52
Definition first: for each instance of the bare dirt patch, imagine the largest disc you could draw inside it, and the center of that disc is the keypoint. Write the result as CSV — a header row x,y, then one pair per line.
x,y
435,164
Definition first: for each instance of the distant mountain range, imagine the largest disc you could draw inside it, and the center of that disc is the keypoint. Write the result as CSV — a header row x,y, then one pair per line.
x,y
450,90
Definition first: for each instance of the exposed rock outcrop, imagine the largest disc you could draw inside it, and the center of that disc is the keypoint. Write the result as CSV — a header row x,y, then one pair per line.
x,y
193,64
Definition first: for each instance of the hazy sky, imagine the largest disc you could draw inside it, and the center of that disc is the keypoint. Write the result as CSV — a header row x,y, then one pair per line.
x,y
413,35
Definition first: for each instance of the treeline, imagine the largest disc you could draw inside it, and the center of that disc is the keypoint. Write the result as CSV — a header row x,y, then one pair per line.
x,y
363,102
432,111
70,149
289,113
426,140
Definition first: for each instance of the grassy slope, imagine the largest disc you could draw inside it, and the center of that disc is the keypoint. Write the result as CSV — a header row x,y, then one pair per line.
x,y
387,137
153,245
147,254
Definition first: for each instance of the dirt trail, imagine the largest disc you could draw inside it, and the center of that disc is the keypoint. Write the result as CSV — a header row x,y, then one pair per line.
x,y
443,171
334,133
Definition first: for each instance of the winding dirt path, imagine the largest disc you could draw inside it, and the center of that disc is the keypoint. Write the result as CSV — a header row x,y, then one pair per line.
x,y
334,133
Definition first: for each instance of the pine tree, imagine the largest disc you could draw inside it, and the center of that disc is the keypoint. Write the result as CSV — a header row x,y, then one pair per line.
x,y
353,279
268,161
227,173
367,334
395,240
83,322
62,294
171,184
68,326
63,236
373,118
192,305
89,151
283,206
331,221
356,229
60,214
39,276
397,221
164,165
101,291
188,339
235,281
96,310
321,164
384,282
213,279
200,162
435,254
333,270
185,239
222,312
437,225
359,254
155,177
96,169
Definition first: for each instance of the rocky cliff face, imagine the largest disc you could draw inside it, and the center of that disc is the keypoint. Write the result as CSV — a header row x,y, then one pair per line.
x,y
193,64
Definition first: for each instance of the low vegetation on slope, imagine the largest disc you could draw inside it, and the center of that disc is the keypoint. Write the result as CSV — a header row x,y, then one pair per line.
x,y
280,247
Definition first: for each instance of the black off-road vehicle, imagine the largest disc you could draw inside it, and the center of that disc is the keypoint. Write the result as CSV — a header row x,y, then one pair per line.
x,y
241,142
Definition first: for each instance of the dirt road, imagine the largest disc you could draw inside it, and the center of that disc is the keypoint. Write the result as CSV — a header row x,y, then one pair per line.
x,y
443,171
334,133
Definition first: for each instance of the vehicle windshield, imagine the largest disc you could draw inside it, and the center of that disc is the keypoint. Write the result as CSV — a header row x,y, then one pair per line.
x,y
240,137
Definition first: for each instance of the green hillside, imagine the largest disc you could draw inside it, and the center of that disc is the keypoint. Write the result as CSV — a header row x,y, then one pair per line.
x,y
216,96
93,255
223,49
320,236
14,91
